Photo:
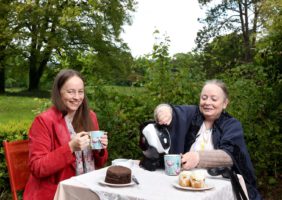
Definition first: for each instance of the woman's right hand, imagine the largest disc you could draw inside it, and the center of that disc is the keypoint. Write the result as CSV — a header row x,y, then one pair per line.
x,y
163,114
190,160
79,142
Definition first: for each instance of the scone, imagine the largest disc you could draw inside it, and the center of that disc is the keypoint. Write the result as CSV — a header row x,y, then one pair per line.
x,y
197,179
184,178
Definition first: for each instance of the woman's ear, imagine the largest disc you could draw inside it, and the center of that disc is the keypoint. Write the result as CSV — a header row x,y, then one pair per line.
x,y
225,103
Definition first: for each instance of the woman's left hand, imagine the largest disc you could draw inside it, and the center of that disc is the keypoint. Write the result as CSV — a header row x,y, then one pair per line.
x,y
104,140
190,160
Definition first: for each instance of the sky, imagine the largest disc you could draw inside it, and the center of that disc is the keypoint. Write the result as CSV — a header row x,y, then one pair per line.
x,y
176,19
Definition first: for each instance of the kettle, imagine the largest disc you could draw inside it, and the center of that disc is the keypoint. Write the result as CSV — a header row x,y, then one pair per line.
x,y
155,142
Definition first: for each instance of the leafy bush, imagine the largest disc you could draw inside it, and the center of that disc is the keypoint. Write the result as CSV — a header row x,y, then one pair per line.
x,y
120,115
255,103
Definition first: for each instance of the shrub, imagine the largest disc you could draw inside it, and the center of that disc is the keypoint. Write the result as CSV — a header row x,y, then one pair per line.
x,y
254,101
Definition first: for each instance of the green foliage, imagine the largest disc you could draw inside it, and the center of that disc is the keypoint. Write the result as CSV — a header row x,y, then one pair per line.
x,y
172,80
222,53
269,48
120,114
39,33
138,71
14,130
230,17
120,111
157,75
255,103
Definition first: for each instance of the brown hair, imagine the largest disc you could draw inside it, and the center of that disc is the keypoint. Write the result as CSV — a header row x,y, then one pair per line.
x,y
220,84
81,120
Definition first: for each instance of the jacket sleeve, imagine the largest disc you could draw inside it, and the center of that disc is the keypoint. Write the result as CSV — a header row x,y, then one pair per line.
x,y
181,120
100,158
44,159
233,143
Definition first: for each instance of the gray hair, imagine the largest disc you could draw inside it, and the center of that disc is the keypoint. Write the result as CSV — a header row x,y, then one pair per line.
x,y
220,84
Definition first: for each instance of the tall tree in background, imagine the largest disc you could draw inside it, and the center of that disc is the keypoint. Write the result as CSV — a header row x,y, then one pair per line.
x,y
240,16
270,46
5,39
54,27
223,53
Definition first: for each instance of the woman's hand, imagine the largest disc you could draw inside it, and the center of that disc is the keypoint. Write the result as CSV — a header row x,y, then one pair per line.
x,y
104,140
190,160
79,142
163,114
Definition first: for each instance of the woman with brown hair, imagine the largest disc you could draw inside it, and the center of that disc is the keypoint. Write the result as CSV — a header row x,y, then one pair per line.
x,y
59,139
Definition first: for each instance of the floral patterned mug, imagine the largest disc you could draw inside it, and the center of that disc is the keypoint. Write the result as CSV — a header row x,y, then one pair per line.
x,y
95,139
172,164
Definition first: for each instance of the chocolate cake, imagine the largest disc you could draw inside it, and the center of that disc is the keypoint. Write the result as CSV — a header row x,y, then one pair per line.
x,y
118,175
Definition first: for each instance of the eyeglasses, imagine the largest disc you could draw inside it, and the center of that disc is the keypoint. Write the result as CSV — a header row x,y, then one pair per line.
x,y
74,92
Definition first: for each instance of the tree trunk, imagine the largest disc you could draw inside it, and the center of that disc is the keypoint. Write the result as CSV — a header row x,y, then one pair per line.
x,y
248,53
35,73
33,79
2,79
2,69
38,59
33,65
243,10
254,31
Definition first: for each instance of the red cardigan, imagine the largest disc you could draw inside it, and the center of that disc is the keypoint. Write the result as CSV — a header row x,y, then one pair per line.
x,y
50,157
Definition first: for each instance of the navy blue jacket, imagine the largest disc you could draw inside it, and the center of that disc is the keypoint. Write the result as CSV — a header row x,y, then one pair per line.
x,y
227,134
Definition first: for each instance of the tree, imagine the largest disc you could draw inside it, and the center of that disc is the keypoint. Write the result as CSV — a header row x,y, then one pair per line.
x,y
238,16
138,70
270,47
191,63
172,80
5,38
47,29
158,73
223,53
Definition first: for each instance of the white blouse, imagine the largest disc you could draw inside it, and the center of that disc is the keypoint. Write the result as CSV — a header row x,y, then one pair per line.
x,y
203,141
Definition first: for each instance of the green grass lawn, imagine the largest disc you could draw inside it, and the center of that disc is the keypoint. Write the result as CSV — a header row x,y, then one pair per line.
x,y
19,108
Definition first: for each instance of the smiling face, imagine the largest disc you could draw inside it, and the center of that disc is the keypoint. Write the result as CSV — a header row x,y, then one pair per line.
x,y
212,101
72,94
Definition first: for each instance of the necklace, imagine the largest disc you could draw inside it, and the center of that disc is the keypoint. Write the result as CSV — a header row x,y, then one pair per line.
x,y
205,138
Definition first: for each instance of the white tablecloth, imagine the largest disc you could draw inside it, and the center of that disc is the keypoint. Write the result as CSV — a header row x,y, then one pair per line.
x,y
153,186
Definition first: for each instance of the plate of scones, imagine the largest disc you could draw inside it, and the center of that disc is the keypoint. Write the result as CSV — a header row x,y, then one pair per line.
x,y
192,180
